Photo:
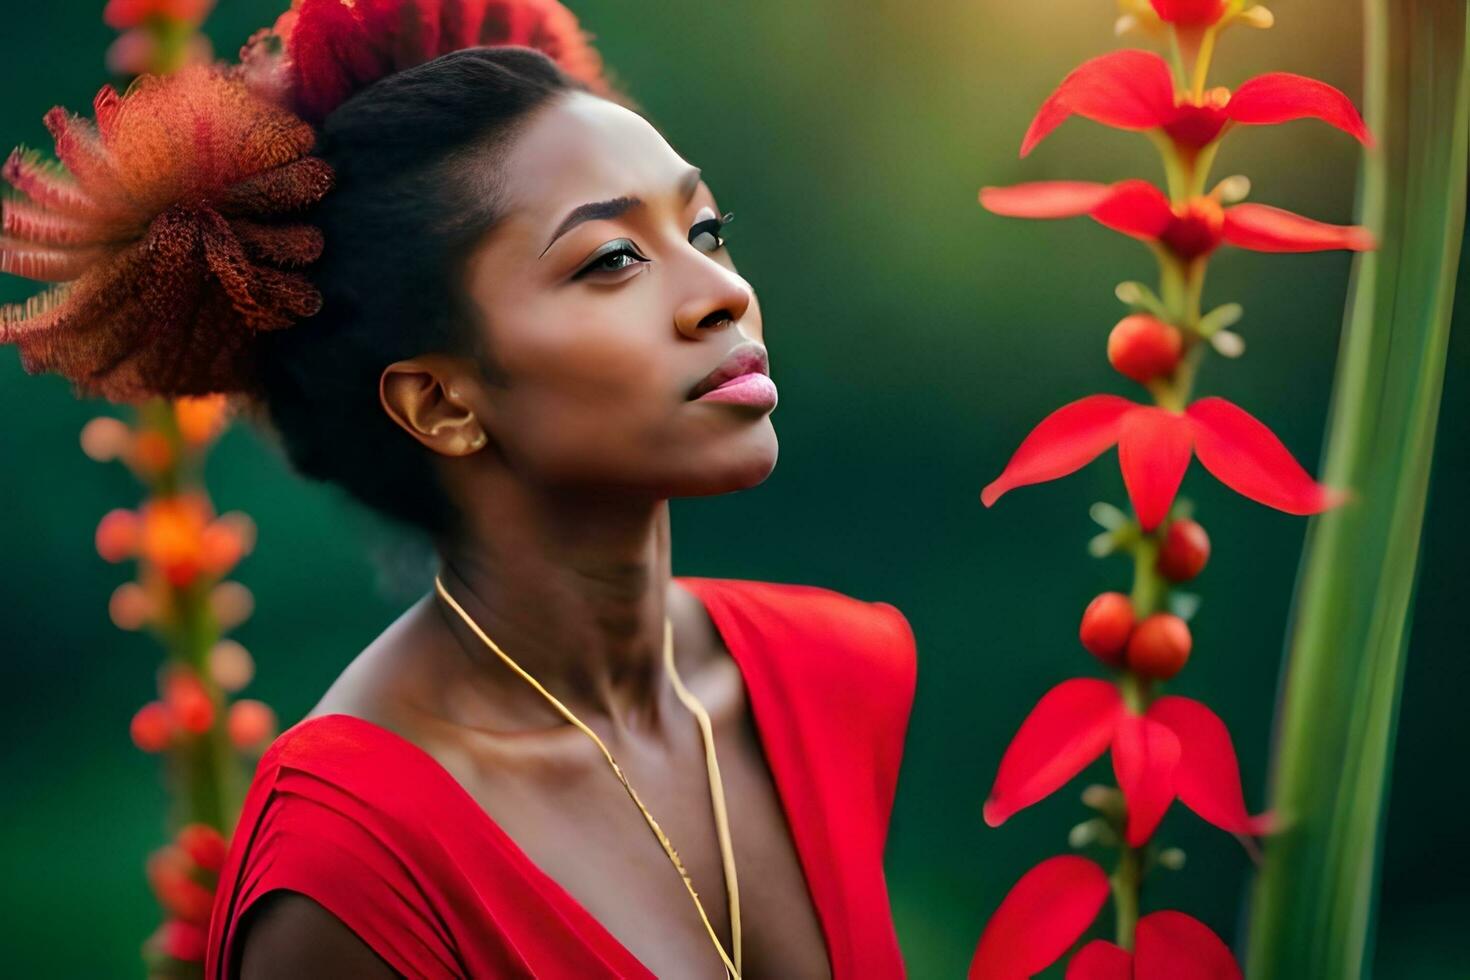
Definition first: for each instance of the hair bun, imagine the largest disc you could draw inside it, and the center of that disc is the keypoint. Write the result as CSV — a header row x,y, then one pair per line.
x,y
167,228
165,235
321,52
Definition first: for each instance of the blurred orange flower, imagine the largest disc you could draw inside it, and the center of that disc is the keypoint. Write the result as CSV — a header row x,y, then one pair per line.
x,y
122,14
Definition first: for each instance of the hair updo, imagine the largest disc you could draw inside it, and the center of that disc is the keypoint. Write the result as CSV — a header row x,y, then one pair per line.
x,y
282,229
414,156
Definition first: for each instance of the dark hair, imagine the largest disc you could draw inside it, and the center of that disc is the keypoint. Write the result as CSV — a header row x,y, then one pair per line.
x,y
414,156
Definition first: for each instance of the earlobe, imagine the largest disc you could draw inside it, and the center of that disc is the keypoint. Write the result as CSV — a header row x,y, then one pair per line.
x,y
425,401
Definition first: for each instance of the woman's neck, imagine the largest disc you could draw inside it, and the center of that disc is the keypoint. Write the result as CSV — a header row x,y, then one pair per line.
x,y
571,587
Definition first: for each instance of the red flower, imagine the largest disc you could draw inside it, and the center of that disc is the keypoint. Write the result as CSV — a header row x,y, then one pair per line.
x,y
1166,944
122,14
1040,918
1053,904
1154,448
1178,747
1191,13
184,941
1140,210
1134,90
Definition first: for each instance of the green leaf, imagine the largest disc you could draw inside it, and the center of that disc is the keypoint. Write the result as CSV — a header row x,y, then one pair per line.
x,y
1314,902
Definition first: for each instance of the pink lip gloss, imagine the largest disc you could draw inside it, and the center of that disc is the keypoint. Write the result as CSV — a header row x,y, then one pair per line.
x,y
753,389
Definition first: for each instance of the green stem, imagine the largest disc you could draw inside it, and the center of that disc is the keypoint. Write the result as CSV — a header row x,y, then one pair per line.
x,y
1176,57
1127,882
1202,63
1315,901
1204,162
1148,586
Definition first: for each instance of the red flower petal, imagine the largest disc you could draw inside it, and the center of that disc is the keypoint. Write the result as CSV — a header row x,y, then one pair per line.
x,y
1267,229
1191,13
1101,960
1063,442
1154,445
1145,755
1070,726
1174,946
1280,96
1247,457
1045,198
1127,89
1040,918
1207,779
1136,208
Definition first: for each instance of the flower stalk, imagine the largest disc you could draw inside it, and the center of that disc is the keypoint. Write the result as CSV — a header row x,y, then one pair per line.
x,y
1163,746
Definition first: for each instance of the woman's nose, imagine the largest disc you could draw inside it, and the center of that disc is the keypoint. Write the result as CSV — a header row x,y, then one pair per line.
x,y
723,300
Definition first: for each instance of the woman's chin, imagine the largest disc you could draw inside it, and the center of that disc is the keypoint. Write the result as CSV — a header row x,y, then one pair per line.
x,y
746,465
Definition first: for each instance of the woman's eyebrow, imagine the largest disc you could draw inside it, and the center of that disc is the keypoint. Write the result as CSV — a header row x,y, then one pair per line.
x,y
616,207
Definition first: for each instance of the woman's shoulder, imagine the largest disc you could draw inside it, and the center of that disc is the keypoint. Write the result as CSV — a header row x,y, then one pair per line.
x,y
336,811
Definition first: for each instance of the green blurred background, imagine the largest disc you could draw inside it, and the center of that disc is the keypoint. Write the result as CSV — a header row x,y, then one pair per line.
x,y
916,339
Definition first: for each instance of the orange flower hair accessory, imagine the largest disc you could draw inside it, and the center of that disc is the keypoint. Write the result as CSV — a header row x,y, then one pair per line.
x,y
166,230
320,52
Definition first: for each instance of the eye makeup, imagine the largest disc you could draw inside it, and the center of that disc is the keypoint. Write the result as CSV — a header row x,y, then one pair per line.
x,y
705,235
622,253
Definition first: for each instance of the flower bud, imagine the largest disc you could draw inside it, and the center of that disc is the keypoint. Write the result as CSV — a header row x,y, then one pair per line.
x,y
151,728
130,608
231,665
1232,190
168,870
1106,623
232,603
152,453
188,700
1159,646
1184,552
205,846
221,546
183,941
105,439
200,418
250,723
117,534
1258,17
1142,348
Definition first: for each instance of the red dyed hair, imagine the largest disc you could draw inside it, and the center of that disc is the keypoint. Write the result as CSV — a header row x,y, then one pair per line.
x,y
320,52
168,227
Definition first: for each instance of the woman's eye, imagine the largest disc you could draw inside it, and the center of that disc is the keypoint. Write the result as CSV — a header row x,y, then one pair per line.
x,y
705,235
615,257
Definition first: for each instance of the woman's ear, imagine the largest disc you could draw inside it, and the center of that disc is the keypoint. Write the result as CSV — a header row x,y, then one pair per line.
x,y
426,396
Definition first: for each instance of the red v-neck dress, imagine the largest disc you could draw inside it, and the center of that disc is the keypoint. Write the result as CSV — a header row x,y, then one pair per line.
x,y
374,829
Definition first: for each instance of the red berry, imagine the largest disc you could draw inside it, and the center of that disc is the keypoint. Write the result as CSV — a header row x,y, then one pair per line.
x,y
183,940
250,723
1159,646
204,845
188,700
151,727
1106,623
117,534
168,870
1185,550
1142,348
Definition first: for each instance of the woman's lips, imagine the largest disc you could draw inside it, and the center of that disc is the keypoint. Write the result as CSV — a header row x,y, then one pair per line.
x,y
753,388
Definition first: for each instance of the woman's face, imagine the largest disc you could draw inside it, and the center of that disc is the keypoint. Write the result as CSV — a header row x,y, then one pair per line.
x,y
609,300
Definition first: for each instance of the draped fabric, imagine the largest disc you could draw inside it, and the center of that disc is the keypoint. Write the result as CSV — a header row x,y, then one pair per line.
x,y
375,830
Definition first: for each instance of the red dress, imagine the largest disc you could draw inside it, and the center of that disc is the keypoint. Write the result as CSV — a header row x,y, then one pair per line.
x,y
374,829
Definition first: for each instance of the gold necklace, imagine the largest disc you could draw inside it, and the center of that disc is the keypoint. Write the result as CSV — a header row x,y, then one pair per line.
x,y
716,785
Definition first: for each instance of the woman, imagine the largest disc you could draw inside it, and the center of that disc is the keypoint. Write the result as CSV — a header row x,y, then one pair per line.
x,y
530,337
